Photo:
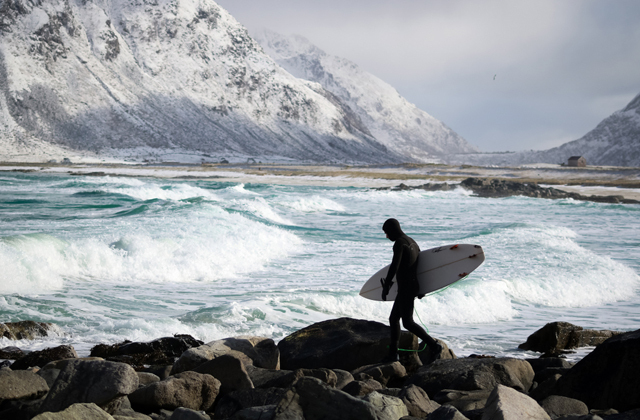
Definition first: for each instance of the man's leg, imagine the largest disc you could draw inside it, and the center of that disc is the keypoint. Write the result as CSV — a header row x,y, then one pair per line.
x,y
411,326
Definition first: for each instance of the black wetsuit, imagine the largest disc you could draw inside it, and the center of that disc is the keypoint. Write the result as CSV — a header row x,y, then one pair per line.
x,y
403,266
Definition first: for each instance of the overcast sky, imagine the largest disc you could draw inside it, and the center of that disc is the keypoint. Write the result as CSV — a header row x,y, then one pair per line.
x,y
560,66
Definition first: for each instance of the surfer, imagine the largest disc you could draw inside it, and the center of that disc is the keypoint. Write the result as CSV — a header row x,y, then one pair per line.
x,y
403,267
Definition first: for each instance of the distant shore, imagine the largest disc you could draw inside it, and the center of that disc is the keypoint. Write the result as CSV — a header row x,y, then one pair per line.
x,y
596,180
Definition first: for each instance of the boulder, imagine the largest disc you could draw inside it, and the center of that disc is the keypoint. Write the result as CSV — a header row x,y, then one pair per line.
x,y
42,357
312,399
627,415
542,363
508,404
555,337
383,372
269,378
80,411
446,412
388,406
192,390
264,412
146,378
426,356
22,384
230,404
463,400
417,401
11,353
229,370
545,388
161,371
182,413
259,351
90,381
471,374
163,351
25,330
362,388
608,377
342,343
342,378
557,406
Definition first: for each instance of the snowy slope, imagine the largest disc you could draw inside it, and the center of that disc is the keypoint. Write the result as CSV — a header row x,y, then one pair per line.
x,y
614,142
390,118
109,75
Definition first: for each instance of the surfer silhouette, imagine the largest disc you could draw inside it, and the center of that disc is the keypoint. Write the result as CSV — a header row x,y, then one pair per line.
x,y
403,267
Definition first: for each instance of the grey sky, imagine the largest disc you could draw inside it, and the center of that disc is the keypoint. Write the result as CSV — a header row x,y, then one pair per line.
x,y
560,66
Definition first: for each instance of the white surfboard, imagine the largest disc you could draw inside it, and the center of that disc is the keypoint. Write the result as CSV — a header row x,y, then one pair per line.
x,y
437,268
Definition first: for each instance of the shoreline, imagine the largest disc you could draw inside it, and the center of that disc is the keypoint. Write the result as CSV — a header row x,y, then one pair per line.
x,y
597,180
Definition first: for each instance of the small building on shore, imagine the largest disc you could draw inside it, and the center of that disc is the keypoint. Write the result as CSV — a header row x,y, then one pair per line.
x,y
577,161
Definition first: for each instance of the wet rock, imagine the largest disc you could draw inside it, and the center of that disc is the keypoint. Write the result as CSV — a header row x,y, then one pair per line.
x,y
427,356
230,404
471,374
229,370
608,377
259,351
15,385
555,337
417,401
342,343
92,381
80,411
557,406
163,351
25,330
11,353
508,404
384,372
192,390
42,357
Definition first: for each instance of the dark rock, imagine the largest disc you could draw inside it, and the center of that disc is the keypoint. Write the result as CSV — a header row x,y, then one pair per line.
x,y
236,401
265,412
417,401
608,377
557,336
229,370
342,343
92,381
557,406
549,362
627,415
192,390
473,374
25,330
463,400
11,353
42,357
362,388
343,377
271,378
383,372
259,351
49,375
15,385
146,378
508,404
163,351
544,389
182,413
79,411
547,373
160,371
446,412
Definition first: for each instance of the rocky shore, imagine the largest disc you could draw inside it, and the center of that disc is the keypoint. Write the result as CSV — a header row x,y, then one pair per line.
x,y
328,370
495,188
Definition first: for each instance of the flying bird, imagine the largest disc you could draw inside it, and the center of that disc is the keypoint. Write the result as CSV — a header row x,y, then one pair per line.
x,y
494,76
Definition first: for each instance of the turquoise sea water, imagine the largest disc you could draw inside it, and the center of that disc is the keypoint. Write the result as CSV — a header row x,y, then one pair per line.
x,y
114,258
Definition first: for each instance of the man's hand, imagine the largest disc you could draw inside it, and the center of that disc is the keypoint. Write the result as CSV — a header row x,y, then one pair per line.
x,y
385,289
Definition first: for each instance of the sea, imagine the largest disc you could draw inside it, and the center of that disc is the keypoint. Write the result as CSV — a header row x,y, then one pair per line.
x,y
113,258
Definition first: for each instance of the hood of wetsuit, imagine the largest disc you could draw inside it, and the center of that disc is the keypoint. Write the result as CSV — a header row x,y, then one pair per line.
x,y
392,228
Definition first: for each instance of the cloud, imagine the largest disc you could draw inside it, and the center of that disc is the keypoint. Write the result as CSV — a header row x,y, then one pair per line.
x,y
560,66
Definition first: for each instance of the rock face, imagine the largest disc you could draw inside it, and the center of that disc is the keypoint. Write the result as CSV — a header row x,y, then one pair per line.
x,y
21,385
508,404
101,77
608,377
393,121
98,382
342,343
25,330
77,412
557,336
473,374
42,357
157,352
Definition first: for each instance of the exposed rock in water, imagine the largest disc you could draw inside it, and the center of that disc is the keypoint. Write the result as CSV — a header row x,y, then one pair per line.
x,y
25,330
42,357
555,337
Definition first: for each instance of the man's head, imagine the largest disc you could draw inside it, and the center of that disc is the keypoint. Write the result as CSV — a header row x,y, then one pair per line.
x,y
392,228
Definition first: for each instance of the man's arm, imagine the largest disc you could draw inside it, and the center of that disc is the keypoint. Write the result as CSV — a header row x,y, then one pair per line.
x,y
393,269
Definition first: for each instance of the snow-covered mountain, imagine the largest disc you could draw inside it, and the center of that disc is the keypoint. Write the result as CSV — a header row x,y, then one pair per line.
x,y
391,119
105,75
614,142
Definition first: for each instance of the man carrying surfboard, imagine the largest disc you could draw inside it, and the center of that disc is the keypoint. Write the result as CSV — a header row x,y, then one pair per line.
x,y
403,267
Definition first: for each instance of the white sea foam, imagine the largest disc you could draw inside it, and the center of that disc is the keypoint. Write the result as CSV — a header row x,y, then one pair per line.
x,y
314,203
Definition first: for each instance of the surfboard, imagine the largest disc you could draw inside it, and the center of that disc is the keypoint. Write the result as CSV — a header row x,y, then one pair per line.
x,y
437,268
